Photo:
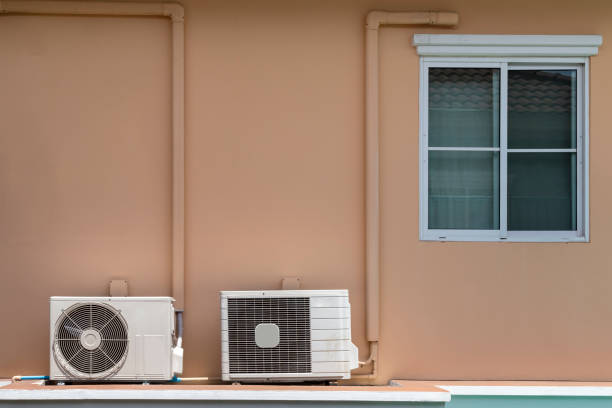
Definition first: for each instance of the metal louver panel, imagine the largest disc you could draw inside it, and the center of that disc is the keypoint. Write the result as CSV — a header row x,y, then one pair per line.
x,y
91,340
291,315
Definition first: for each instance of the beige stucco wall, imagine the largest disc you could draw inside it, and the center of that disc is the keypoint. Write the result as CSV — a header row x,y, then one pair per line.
x,y
275,184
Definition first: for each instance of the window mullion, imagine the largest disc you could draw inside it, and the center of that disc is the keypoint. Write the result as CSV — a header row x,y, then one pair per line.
x,y
503,159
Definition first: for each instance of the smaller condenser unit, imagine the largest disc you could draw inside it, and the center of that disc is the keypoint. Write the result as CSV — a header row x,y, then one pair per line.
x,y
112,339
286,335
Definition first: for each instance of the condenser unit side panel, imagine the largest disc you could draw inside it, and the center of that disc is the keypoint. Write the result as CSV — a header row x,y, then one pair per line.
x,y
331,336
326,335
330,312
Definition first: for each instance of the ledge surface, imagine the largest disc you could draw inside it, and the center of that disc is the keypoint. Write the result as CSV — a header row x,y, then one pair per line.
x,y
527,388
397,391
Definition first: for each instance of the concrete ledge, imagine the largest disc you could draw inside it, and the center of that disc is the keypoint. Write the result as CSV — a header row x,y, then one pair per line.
x,y
526,388
397,392
533,391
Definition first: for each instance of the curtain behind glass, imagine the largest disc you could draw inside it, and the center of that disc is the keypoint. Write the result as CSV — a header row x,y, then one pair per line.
x,y
463,189
463,107
542,191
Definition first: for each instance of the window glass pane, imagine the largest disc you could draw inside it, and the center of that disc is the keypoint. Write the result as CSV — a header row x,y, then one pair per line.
x,y
541,109
542,191
464,107
463,190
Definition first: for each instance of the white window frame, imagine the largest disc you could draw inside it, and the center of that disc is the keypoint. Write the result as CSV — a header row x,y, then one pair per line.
x,y
507,52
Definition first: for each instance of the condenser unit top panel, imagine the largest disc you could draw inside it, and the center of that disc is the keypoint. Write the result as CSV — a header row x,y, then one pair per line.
x,y
285,293
112,299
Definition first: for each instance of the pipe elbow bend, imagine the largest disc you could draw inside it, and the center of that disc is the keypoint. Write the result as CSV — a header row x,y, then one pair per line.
x,y
374,19
175,11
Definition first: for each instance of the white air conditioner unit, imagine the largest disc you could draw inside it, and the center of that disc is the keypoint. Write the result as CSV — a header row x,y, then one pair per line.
x,y
286,335
111,339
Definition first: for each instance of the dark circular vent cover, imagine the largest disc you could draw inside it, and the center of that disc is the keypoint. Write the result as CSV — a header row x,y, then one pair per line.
x,y
91,340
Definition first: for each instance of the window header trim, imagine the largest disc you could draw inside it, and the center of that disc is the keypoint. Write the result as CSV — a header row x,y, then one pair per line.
x,y
474,45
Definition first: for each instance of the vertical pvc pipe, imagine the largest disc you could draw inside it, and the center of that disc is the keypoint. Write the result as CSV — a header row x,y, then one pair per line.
x,y
178,162
372,186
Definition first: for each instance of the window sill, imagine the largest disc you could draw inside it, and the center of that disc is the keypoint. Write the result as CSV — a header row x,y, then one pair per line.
x,y
478,236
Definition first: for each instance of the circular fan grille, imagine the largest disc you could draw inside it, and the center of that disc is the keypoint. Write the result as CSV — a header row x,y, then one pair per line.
x,y
91,340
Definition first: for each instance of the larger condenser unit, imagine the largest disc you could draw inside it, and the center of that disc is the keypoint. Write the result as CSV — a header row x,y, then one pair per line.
x,y
111,339
286,335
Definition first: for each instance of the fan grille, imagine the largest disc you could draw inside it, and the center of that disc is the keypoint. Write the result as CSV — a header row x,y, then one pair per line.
x,y
103,355
291,315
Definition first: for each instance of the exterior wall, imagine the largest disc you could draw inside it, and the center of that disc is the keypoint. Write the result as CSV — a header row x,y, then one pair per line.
x,y
275,184
85,168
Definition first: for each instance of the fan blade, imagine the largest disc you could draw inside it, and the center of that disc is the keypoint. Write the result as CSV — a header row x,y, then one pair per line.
x,y
74,330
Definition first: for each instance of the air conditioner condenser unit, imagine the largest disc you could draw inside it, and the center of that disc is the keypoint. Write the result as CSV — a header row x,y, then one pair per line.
x,y
286,336
127,339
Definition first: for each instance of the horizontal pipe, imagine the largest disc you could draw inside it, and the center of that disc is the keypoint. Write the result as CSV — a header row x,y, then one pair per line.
x,y
194,379
440,18
29,377
173,10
